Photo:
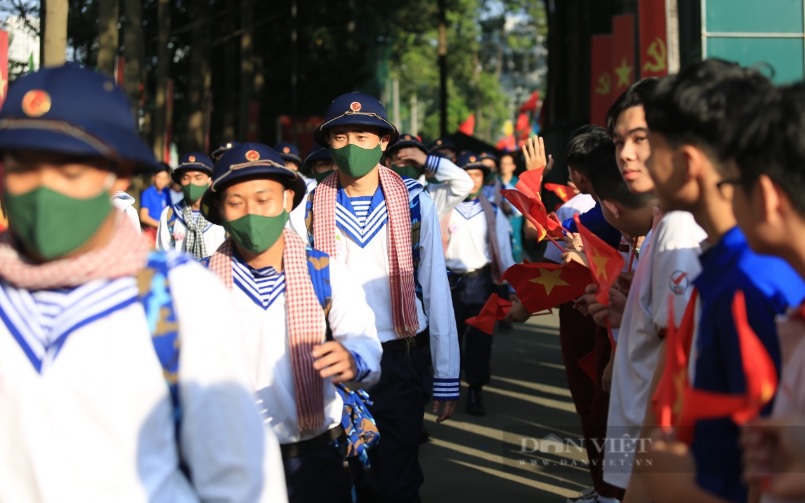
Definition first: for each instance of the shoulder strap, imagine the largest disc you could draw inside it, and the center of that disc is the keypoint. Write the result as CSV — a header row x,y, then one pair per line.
x,y
155,295
416,231
309,215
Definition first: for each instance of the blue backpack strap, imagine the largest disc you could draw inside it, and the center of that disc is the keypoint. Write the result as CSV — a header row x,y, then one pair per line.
x,y
160,314
416,229
171,219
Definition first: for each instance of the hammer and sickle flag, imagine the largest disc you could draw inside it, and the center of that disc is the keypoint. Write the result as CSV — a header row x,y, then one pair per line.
x,y
652,27
601,92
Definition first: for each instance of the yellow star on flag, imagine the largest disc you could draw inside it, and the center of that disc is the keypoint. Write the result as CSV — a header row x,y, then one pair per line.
x,y
3,83
600,262
549,279
679,389
624,72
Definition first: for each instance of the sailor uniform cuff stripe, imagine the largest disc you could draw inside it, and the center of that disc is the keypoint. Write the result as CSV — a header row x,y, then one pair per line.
x,y
361,368
432,164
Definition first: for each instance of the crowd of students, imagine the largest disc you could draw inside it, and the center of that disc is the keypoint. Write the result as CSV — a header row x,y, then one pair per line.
x,y
207,361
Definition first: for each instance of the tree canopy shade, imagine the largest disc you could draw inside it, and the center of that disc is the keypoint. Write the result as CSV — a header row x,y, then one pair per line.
x,y
239,65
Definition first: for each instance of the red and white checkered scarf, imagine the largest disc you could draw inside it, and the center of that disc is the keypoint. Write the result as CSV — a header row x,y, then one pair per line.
x,y
401,263
305,321
124,255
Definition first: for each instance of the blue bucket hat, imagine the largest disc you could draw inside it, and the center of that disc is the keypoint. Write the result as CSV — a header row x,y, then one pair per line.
x,y
193,161
407,140
249,161
320,154
355,109
218,152
289,152
71,110
468,160
443,143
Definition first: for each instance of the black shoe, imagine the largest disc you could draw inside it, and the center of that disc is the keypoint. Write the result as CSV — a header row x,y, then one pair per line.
x,y
475,406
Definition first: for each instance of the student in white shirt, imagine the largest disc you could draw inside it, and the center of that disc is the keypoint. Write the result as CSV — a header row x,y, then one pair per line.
x,y
386,231
291,365
668,263
181,226
117,385
478,250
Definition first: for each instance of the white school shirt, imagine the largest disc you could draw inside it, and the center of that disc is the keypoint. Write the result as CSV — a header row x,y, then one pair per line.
x,y
669,250
296,222
449,184
468,245
368,266
97,424
266,358
171,235
578,204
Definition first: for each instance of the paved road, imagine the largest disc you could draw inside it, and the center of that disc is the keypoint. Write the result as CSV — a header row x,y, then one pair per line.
x,y
495,458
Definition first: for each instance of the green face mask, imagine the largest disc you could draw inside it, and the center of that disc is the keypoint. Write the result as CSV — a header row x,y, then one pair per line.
x,y
409,171
193,192
51,224
256,233
355,161
319,176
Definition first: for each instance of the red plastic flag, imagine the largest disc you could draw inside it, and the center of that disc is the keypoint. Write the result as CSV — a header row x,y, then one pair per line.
x,y
468,126
530,183
605,262
533,209
760,372
563,192
670,390
532,102
494,309
542,286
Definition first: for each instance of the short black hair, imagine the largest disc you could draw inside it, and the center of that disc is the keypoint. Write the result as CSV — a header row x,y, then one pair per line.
x,y
637,94
701,104
769,142
607,181
582,142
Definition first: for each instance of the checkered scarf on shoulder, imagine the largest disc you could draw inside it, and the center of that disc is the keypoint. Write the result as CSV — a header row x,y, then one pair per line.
x,y
401,263
305,321
194,239
125,254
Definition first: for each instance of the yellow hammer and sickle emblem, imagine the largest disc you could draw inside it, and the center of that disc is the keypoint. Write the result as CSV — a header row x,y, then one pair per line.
x,y
604,84
657,54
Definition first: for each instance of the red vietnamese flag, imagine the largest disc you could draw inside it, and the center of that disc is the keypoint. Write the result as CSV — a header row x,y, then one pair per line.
x,y
601,78
530,182
653,37
563,192
760,372
532,102
494,309
541,286
3,66
668,397
533,209
606,263
623,52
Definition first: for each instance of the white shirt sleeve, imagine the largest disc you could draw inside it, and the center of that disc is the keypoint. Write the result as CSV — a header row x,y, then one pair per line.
x,y
452,184
676,264
222,438
131,215
353,323
438,304
504,233
164,239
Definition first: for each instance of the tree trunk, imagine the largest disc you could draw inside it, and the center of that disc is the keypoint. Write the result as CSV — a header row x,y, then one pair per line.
x,y
54,46
133,50
162,75
109,35
200,78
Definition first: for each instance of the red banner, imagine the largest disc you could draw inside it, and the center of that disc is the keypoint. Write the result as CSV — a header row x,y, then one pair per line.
x,y
3,66
653,36
600,78
623,52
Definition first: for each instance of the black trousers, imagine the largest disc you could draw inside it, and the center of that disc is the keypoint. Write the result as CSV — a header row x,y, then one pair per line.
x,y
318,476
469,297
395,475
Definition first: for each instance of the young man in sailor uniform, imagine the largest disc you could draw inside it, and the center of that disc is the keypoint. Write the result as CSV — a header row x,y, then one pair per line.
x,y
115,383
280,315
320,164
477,250
447,184
386,231
290,156
181,226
